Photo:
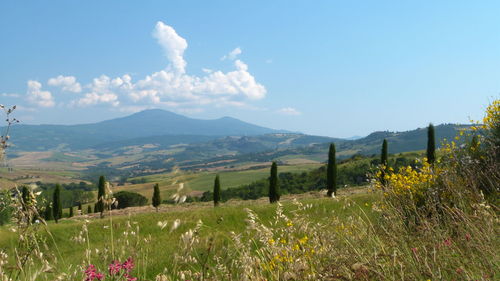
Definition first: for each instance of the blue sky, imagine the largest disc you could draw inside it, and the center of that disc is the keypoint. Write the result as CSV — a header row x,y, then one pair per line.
x,y
336,68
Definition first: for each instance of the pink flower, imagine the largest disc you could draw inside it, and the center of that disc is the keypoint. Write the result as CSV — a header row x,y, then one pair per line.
x,y
91,273
128,265
414,250
114,268
468,237
447,242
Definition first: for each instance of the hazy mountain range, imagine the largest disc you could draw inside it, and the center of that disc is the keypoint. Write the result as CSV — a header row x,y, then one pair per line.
x,y
155,130
144,124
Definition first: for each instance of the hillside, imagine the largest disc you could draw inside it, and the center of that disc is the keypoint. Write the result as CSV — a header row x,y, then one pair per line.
x,y
147,123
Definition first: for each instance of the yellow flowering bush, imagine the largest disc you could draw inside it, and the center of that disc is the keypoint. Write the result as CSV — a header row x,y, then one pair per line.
x,y
408,181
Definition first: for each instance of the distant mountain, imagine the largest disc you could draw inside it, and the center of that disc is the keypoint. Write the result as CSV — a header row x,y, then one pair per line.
x,y
147,123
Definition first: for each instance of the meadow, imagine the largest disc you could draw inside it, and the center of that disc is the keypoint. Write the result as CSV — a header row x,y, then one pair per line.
x,y
436,219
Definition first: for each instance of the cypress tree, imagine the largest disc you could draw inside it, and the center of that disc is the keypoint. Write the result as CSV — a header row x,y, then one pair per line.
x,y
216,191
156,197
383,156
331,172
89,209
431,145
80,208
384,161
70,212
100,195
48,212
56,203
274,192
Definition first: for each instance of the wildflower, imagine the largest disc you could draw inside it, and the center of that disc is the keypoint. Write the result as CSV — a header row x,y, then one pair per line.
x,y
92,274
447,242
303,240
128,265
468,237
289,224
114,268
271,241
414,250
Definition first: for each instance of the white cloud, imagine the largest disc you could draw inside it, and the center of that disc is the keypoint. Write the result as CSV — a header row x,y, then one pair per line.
x,y
67,83
233,54
103,90
172,86
173,45
36,96
289,111
10,95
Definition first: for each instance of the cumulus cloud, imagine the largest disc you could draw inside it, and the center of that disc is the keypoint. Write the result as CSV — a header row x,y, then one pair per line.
x,y
172,86
233,54
36,96
104,89
67,83
173,45
289,111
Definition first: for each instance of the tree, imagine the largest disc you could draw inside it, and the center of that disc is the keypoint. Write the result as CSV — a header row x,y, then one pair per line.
x,y
70,212
100,195
274,192
431,145
89,209
48,213
384,161
331,172
56,203
129,199
156,197
216,191
80,208
383,155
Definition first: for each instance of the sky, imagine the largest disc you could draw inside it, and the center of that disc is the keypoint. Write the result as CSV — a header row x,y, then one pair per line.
x,y
330,68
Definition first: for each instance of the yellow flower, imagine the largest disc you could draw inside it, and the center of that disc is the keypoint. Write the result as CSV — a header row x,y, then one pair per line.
x,y
271,241
303,240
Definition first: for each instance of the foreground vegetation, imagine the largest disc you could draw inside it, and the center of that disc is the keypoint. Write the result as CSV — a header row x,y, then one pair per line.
x,y
436,219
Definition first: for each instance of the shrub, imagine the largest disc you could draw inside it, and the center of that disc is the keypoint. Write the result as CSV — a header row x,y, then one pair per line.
x,y
130,199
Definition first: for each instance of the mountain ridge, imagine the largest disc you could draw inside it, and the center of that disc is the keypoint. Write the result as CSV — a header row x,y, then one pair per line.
x,y
147,123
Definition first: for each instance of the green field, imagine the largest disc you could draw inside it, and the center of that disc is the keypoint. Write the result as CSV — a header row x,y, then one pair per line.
x,y
217,223
203,181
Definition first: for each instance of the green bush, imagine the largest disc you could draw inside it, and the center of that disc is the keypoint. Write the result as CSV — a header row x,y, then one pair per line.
x,y
129,199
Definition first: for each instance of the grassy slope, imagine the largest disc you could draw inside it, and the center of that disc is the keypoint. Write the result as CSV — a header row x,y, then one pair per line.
x,y
203,181
218,222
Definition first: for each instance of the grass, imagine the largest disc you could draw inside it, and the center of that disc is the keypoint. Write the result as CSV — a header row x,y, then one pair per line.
x,y
203,181
218,223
